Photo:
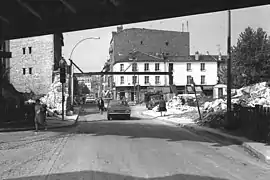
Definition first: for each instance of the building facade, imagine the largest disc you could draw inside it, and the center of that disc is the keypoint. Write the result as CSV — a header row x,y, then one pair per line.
x,y
5,62
34,61
201,68
87,80
156,45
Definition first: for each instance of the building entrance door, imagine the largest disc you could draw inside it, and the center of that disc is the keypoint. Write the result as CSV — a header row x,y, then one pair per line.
x,y
132,96
220,92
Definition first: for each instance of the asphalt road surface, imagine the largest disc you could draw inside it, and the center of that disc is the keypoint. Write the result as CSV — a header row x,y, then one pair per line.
x,y
140,148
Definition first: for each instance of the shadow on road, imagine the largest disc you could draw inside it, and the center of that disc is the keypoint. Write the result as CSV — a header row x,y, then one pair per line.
x,y
105,175
142,129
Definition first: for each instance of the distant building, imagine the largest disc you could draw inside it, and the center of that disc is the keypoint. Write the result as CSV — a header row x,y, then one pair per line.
x,y
33,62
202,68
87,80
5,62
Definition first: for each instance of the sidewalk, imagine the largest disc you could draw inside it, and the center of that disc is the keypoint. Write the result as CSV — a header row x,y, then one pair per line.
x,y
52,123
260,150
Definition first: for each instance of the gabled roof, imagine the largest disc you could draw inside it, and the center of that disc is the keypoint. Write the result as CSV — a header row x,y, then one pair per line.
x,y
140,56
208,58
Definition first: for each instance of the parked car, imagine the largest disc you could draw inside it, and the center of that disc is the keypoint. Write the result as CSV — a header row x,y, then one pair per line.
x,y
118,108
90,100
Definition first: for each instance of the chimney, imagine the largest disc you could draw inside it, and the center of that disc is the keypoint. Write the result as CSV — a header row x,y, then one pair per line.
x,y
119,28
197,55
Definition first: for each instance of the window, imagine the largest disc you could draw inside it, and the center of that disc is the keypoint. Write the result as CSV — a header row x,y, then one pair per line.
x,y
146,79
30,70
202,66
189,80
24,71
30,50
188,66
157,80
146,67
202,79
141,42
134,67
156,66
134,79
121,67
23,50
167,43
122,80
170,67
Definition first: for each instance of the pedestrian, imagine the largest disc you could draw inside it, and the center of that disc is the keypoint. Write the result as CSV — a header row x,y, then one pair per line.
x,y
37,114
44,115
101,105
40,115
183,100
162,105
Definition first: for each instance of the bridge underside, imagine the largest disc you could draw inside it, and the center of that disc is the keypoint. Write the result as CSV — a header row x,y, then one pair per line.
x,y
26,18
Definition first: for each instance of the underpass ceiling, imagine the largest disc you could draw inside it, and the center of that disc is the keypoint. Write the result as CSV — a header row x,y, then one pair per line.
x,y
25,18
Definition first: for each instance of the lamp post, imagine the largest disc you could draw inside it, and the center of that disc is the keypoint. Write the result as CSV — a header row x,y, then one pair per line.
x,y
71,67
62,65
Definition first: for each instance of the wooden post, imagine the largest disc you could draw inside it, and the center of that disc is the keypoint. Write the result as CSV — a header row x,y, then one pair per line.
x,y
229,83
197,102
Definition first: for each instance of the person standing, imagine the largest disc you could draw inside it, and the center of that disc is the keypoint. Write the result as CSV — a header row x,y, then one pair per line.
x,y
37,114
101,105
40,115
162,105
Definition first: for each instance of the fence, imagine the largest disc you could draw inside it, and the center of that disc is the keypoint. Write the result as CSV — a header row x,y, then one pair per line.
x,y
254,122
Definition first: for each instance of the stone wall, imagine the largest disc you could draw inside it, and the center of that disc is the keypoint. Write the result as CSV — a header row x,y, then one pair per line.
x,y
40,59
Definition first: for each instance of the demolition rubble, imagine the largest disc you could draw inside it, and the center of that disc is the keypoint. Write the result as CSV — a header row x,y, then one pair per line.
x,y
258,94
53,99
249,96
177,105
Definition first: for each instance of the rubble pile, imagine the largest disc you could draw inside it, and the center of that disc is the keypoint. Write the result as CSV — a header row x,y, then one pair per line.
x,y
257,94
249,96
53,99
176,106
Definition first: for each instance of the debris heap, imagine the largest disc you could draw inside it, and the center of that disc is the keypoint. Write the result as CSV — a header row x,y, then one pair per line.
x,y
53,99
176,105
249,96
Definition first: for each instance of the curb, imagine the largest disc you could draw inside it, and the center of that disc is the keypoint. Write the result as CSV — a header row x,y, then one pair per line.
x,y
234,140
33,128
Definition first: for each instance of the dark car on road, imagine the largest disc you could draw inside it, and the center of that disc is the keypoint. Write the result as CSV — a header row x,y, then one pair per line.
x,y
118,108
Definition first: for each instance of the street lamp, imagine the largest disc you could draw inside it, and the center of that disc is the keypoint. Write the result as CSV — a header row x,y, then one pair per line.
x,y
62,65
71,67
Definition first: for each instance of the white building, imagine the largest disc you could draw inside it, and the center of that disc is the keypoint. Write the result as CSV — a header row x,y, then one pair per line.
x,y
202,68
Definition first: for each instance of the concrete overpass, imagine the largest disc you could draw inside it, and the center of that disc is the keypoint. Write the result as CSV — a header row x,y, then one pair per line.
x,y
26,18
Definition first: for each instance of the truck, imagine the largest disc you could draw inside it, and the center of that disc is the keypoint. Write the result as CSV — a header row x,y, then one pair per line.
x,y
152,99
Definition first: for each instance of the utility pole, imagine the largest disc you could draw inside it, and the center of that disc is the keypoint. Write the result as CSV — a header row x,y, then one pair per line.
x,y
62,65
229,83
134,75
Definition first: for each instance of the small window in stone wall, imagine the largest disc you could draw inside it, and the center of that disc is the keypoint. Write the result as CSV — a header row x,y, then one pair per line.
x,y
24,71
30,70
30,50
23,50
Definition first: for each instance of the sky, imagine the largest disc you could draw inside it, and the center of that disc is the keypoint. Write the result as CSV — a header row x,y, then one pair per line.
x,y
208,32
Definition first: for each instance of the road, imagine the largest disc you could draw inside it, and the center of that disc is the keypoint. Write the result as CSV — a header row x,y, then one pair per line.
x,y
141,148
